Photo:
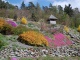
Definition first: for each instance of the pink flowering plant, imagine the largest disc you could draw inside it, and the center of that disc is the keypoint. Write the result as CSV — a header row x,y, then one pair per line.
x,y
61,40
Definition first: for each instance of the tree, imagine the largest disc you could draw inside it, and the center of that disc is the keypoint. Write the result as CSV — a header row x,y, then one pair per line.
x,y
32,9
50,5
60,9
23,5
76,11
38,12
38,6
76,17
2,4
33,16
15,17
45,8
68,10
31,6
6,5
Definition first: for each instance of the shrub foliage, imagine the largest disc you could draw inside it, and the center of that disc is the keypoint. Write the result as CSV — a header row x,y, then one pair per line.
x,y
20,29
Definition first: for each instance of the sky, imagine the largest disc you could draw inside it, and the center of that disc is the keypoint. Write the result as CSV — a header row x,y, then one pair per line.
x,y
74,3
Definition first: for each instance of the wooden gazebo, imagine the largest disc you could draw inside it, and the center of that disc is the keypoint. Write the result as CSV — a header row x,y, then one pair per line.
x,y
52,19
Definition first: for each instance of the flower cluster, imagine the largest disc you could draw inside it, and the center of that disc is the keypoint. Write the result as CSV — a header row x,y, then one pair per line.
x,y
24,21
34,38
12,23
66,28
78,28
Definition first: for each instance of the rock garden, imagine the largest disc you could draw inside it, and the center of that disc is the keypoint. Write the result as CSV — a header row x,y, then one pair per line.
x,y
31,39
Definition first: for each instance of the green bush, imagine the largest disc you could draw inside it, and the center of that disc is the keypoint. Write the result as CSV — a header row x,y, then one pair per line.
x,y
36,30
20,29
30,25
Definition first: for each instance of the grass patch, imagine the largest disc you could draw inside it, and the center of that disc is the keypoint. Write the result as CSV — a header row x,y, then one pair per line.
x,y
3,41
12,38
26,59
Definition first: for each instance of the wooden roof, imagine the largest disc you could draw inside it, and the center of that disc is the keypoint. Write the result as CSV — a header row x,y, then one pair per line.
x,y
52,17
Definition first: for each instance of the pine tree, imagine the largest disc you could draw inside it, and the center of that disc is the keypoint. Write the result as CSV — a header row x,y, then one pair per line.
x,y
23,5
68,10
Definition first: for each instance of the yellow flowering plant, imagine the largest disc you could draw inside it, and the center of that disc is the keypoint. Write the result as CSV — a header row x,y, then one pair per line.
x,y
33,38
5,28
24,20
78,28
66,29
2,23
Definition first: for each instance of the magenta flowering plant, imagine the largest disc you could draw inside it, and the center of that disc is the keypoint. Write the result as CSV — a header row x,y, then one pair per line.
x,y
61,40
50,41
14,58
12,23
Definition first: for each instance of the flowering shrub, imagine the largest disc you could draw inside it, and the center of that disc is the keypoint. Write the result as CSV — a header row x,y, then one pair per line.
x,y
12,23
2,22
66,28
78,28
24,21
33,38
5,28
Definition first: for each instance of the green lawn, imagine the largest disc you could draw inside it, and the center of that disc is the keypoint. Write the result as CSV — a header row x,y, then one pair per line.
x,y
48,58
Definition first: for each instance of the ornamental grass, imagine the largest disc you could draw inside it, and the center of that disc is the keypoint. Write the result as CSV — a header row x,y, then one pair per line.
x,y
33,38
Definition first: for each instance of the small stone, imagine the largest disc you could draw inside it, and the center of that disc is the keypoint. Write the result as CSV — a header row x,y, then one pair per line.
x,y
32,53
44,55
